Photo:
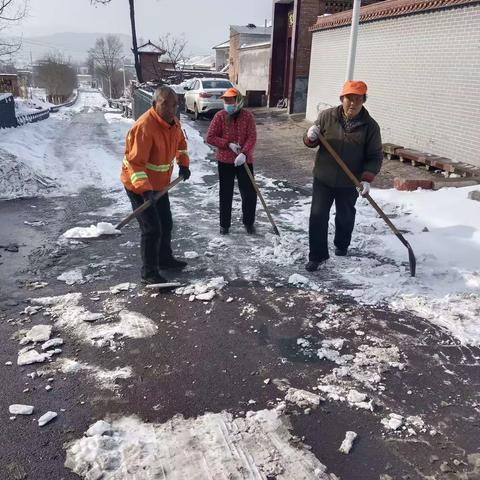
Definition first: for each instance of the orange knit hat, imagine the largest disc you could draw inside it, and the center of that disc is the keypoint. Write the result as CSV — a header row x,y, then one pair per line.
x,y
355,87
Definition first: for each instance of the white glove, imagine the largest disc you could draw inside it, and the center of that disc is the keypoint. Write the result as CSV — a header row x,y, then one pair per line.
x,y
235,147
364,189
313,133
240,160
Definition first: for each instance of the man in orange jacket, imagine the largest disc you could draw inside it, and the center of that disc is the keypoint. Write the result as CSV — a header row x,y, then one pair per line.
x,y
152,144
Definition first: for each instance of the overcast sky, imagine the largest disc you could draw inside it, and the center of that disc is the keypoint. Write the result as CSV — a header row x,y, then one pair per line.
x,y
204,22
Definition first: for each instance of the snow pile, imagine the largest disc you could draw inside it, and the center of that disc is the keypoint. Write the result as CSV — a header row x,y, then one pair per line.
x,y
93,231
214,445
71,316
71,276
203,291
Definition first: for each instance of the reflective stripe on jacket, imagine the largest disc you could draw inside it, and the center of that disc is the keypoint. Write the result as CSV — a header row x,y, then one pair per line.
x,y
151,147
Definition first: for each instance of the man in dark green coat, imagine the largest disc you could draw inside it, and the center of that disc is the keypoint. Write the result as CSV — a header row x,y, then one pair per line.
x,y
355,136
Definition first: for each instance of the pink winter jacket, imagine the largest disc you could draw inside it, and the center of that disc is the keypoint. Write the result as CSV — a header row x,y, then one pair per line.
x,y
239,129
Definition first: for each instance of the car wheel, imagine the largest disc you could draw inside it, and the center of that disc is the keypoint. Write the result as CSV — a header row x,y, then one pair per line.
x,y
196,112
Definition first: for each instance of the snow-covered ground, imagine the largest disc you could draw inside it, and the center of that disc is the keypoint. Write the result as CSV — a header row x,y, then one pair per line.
x,y
443,226
54,157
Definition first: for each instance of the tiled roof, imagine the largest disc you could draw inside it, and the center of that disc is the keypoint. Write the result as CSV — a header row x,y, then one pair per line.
x,y
387,9
149,47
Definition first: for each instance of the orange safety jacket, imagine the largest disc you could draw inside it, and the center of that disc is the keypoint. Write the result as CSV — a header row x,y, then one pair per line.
x,y
151,147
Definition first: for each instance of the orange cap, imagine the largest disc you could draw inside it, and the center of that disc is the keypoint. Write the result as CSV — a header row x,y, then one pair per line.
x,y
355,87
231,92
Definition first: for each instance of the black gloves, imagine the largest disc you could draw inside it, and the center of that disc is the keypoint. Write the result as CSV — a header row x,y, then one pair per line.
x,y
184,172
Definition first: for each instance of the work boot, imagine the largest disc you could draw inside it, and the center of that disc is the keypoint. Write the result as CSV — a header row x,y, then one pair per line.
x,y
312,265
340,252
153,278
250,229
171,263
224,230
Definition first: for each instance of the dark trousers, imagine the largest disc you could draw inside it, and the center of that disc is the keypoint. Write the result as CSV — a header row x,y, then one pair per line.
x,y
227,173
322,200
156,232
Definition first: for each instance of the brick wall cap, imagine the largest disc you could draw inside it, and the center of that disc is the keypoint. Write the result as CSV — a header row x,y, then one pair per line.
x,y
387,9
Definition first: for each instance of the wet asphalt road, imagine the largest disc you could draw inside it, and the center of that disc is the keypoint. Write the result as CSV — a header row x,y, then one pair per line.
x,y
209,361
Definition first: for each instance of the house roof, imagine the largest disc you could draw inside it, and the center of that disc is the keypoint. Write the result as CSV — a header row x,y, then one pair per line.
x,y
149,47
252,29
222,45
386,9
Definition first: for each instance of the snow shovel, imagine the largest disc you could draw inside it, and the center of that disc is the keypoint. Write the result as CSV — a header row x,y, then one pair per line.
x,y
411,257
260,196
146,204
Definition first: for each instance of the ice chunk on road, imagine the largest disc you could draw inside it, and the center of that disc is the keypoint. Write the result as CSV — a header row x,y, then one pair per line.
x,y
347,443
93,231
38,333
302,398
18,409
393,421
54,342
32,356
191,254
47,417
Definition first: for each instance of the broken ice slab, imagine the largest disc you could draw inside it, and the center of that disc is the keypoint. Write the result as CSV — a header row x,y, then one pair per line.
x,y
347,443
47,417
38,333
19,409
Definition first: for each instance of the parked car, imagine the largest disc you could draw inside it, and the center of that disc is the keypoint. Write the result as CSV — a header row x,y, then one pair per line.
x,y
203,95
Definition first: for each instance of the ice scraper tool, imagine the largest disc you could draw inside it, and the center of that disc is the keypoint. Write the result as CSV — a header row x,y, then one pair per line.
x,y
411,256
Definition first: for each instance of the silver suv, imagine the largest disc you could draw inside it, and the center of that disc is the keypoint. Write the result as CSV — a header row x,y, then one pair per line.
x,y
203,95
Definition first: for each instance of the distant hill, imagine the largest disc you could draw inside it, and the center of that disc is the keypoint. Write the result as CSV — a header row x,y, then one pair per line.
x,y
72,45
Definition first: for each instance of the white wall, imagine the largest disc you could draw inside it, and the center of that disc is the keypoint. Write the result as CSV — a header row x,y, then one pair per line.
x,y
253,69
423,76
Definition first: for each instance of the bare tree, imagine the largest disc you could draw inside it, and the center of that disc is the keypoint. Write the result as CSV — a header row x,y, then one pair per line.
x,y
175,48
11,12
131,4
106,56
57,76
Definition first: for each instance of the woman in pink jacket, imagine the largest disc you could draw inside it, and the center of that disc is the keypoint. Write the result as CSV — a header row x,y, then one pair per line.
x,y
234,133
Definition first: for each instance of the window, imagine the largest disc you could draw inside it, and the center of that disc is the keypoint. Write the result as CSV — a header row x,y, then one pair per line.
x,y
216,84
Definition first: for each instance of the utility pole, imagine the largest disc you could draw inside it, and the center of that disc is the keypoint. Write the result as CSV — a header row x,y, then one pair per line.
x,y
352,49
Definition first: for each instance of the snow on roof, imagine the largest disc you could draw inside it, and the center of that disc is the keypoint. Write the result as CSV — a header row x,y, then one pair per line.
x,y
222,45
4,95
149,47
255,45
252,30
201,60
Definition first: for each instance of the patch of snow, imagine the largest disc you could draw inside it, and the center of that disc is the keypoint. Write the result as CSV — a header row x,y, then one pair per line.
x,y
71,277
214,445
191,254
93,231
393,421
54,342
